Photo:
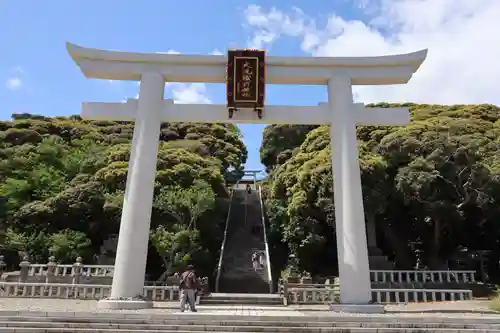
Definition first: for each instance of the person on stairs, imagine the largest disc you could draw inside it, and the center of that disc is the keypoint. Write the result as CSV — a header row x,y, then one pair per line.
x,y
261,259
188,286
255,261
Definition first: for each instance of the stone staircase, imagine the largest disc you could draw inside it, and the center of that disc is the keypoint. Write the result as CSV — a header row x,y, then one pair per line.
x,y
238,275
107,252
281,321
377,260
224,299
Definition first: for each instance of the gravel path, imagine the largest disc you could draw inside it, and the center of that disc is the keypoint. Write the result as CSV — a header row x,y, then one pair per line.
x,y
447,309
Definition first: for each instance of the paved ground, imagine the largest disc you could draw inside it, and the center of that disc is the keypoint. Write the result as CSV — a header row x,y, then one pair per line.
x,y
448,309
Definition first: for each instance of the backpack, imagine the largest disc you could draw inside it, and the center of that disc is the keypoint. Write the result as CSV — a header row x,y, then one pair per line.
x,y
188,281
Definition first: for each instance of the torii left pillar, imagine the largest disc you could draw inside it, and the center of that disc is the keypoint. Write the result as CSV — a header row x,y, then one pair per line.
x,y
132,249
354,271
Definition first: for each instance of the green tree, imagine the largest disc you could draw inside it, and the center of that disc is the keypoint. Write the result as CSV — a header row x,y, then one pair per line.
x,y
432,185
62,181
67,245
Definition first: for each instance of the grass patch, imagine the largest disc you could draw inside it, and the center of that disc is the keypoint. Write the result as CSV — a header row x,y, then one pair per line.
x,y
495,303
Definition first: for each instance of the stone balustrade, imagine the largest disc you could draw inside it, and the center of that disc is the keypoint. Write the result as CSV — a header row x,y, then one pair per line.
x,y
294,295
80,291
68,270
44,280
385,296
302,290
60,275
52,272
423,276
331,294
2,265
52,268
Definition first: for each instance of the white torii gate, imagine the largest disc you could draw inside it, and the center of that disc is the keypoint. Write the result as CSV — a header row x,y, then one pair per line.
x,y
150,110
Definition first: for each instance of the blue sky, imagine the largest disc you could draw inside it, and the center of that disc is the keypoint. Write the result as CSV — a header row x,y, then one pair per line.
x,y
38,76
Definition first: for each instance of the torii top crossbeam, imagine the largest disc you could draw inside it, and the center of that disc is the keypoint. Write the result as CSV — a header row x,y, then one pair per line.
x,y
117,65
252,172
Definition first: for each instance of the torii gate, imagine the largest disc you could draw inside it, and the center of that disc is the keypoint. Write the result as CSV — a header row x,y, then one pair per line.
x,y
150,110
252,174
249,176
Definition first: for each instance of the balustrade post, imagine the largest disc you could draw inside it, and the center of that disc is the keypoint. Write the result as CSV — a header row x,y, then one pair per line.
x,y
76,271
306,278
24,267
2,266
205,286
285,291
51,270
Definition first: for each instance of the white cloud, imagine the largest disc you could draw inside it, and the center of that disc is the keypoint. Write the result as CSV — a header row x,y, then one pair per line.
x,y
14,83
273,24
186,93
169,52
14,80
193,93
463,65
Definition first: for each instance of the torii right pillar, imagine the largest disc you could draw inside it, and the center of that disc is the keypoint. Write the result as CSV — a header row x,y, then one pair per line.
x,y
354,271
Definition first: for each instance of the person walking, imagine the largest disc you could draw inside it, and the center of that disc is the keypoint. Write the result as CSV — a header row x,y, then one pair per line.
x,y
261,259
255,261
188,286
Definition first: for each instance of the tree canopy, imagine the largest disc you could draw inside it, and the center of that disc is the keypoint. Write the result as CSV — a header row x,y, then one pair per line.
x,y
62,182
431,187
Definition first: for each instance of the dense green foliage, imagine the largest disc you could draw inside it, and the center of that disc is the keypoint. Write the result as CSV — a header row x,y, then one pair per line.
x,y
432,188
62,183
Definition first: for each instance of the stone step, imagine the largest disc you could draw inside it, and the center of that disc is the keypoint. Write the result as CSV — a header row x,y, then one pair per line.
x,y
188,329
239,284
241,320
50,324
60,322
225,325
242,299
281,317
223,302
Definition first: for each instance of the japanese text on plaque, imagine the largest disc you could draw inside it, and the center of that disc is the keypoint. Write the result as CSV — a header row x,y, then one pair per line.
x,y
246,70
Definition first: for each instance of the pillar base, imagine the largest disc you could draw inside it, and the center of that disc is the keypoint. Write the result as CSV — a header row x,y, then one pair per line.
x,y
124,304
357,308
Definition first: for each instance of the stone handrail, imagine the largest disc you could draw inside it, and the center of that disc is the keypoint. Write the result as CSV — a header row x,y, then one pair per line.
x,y
324,295
67,269
52,272
420,295
246,209
80,291
223,245
239,186
423,276
268,260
